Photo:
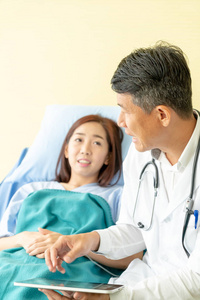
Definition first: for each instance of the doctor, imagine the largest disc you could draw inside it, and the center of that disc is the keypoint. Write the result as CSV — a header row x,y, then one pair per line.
x,y
153,87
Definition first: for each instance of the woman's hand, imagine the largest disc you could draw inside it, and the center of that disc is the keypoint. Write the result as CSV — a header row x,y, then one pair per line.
x,y
22,239
41,243
25,238
52,295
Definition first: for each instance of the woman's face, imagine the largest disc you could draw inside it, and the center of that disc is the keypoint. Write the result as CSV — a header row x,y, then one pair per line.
x,y
87,151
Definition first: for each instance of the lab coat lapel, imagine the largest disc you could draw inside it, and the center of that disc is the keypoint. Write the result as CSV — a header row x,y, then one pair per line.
x,y
180,194
181,190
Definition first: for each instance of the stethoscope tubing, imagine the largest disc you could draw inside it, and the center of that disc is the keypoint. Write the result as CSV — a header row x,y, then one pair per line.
x,y
156,181
190,201
156,184
189,210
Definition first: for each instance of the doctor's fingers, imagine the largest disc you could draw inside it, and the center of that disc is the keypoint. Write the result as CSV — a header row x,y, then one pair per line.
x,y
90,296
52,295
53,262
51,259
68,248
77,245
59,266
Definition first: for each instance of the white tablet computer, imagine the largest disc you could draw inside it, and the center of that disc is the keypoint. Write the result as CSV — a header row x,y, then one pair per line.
x,y
73,286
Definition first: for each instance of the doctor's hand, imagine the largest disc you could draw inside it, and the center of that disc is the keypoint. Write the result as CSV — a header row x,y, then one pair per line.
x,y
41,243
52,295
70,247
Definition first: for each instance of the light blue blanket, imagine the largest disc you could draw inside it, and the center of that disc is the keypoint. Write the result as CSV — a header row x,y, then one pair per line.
x,y
64,212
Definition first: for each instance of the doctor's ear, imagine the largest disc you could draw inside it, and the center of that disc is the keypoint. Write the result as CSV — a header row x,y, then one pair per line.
x,y
164,114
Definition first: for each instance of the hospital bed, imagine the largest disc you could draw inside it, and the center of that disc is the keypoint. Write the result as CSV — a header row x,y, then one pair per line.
x,y
38,162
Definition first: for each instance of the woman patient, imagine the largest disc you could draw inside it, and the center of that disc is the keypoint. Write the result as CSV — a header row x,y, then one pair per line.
x,y
79,200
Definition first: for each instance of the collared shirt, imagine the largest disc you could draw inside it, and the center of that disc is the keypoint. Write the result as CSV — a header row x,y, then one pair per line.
x,y
172,173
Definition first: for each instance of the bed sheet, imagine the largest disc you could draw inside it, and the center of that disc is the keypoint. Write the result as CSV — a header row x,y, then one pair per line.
x,y
8,187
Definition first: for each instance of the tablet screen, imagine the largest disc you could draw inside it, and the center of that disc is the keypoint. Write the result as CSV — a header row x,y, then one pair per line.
x,y
65,285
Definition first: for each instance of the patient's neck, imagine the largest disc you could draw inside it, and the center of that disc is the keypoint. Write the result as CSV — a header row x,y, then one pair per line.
x,y
68,186
72,184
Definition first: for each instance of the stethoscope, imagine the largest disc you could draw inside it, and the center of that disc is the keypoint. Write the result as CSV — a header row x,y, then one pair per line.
x,y
189,202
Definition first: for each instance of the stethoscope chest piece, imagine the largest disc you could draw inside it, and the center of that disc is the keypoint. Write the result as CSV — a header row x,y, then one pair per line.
x,y
150,172
149,180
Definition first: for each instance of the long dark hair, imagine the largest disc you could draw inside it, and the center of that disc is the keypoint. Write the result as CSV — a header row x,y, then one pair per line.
x,y
114,136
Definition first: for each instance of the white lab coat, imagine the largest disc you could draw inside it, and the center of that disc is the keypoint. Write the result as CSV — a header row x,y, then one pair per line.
x,y
165,272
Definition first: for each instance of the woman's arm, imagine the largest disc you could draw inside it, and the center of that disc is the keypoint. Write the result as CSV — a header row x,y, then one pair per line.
x,y
22,239
119,264
48,238
8,242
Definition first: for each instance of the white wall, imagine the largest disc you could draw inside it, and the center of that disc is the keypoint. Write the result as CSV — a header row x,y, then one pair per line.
x,y
65,52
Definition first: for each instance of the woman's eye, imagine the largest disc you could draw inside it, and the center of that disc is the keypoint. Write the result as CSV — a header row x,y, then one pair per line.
x,y
97,143
78,140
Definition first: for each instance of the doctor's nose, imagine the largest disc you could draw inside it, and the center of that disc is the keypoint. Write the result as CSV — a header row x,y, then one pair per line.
x,y
121,120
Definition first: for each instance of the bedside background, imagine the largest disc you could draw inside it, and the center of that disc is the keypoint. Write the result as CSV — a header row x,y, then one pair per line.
x,y
66,51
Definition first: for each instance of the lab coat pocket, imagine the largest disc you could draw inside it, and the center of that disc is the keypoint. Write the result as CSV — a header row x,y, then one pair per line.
x,y
191,234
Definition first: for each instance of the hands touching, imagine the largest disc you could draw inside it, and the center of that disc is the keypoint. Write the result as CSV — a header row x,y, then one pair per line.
x,y
70,247
36,243
56,248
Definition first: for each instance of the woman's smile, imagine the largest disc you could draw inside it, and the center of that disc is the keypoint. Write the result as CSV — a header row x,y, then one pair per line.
x,y
84,162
